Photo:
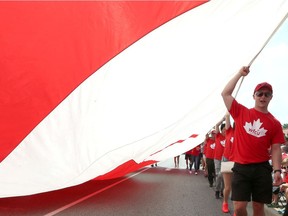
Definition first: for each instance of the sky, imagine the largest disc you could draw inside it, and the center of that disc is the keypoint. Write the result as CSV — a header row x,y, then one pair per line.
x,y
270,66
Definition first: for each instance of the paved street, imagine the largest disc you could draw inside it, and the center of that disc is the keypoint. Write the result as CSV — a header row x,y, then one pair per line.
x,y
157,191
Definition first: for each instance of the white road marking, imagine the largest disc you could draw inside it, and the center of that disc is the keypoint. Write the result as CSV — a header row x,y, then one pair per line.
x,y
91,195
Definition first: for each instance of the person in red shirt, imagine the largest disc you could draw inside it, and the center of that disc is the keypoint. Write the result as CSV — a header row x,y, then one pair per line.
x,y
227,164
209,146
218,153
195,159
256,132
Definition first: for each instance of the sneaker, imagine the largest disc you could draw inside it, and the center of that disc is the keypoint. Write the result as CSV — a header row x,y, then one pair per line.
x,y
196,173
217,195
225,208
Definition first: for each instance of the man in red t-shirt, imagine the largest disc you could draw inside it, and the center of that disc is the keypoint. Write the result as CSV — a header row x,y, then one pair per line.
x,y
256,132
209,146
195,159
227,164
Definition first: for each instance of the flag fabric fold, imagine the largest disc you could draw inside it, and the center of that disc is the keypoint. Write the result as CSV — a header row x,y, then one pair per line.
x,y
100,89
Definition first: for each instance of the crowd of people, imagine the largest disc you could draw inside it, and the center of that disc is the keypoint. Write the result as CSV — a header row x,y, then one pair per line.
x,y
243,160
282,189
217,151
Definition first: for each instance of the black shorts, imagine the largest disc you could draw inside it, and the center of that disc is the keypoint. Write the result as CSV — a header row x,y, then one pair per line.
x,y
252,180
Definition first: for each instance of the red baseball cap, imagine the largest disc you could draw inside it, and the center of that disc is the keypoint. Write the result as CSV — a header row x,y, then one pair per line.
x,y
263,85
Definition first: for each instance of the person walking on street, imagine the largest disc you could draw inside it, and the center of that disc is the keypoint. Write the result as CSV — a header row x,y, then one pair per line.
x,y
195,159
257,133
188,155
187,159
202,158
209,146
227,164
176,161
218,153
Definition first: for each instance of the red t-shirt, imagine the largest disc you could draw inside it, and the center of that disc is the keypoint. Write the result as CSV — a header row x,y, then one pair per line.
x,y
196,151
209,148
219,146
254,134
189,152
228,143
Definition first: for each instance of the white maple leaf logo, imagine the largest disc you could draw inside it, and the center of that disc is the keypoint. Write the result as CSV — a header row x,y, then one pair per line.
x,y
212,146
222,143
254,129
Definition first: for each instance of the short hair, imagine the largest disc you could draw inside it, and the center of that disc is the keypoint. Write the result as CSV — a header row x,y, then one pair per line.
x,y
222,126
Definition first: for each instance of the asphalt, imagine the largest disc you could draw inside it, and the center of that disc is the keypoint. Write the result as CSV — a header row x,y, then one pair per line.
x,y
268,211
151,191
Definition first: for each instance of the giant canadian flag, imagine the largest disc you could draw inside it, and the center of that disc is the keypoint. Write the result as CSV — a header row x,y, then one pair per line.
x,y
98,89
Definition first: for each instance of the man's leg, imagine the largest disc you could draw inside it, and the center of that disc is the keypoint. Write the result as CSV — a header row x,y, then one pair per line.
x,y
210,167
258,209
218,178
240,208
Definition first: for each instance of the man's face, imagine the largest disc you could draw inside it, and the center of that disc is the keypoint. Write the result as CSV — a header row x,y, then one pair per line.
x,y
262,97
223,131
